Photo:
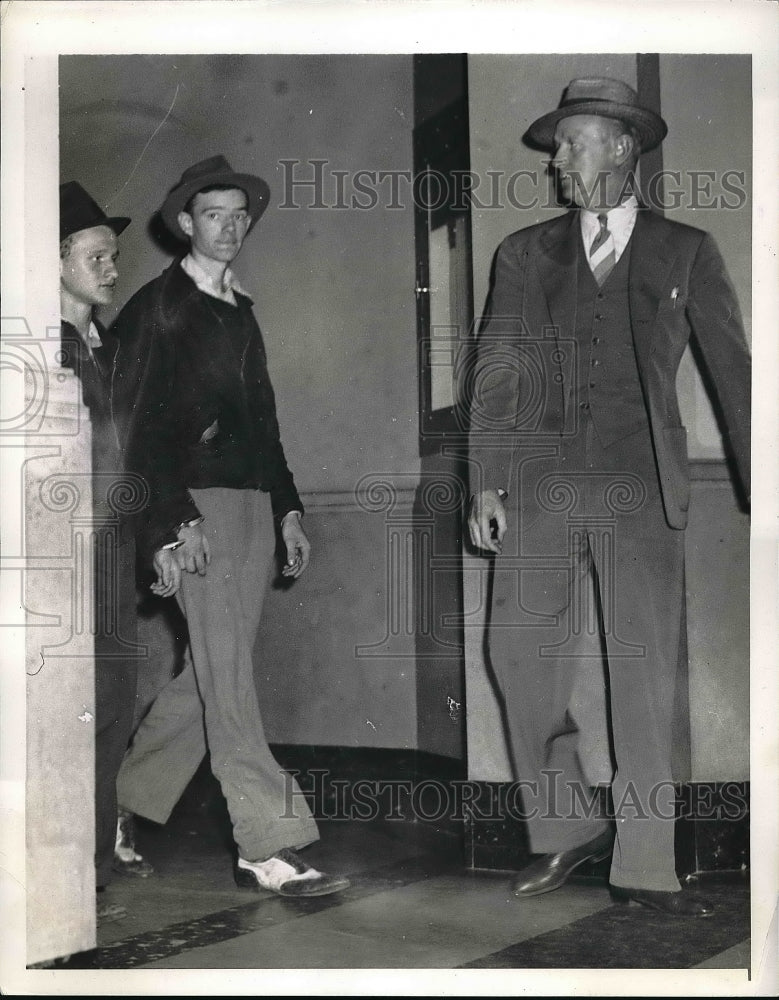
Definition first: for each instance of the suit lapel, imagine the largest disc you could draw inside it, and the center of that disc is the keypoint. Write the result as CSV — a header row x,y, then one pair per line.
x,y
557,267
557,262
651,258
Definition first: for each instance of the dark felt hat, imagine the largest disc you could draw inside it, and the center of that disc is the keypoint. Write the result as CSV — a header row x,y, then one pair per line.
x,y
215,170
604,97
78,211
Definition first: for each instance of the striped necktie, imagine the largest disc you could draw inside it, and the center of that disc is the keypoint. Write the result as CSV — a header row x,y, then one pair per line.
x,y
603,256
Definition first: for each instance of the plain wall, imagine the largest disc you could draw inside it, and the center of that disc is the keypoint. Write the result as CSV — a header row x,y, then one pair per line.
x,y
334,295
707,102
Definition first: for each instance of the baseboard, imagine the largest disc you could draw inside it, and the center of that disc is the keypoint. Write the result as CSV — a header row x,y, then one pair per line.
x,y
397,786
384,785
712,827
711,833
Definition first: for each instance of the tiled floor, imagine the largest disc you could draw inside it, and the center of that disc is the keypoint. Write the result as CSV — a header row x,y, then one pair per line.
x,y
411,905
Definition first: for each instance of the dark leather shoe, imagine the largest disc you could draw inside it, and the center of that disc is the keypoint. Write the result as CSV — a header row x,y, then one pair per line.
x,y
553,870
675,904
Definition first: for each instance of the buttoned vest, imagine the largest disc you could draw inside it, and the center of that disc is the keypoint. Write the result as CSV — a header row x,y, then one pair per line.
x,y
607,382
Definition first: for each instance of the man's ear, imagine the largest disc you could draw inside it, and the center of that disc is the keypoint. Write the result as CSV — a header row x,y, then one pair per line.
x,y
184,219
623,147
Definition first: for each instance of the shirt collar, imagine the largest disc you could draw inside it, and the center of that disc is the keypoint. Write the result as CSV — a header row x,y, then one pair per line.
x,y
621,221
93,337
202,279
92,340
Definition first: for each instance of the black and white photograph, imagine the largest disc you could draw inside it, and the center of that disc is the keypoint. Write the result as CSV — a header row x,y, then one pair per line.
x,y
390,581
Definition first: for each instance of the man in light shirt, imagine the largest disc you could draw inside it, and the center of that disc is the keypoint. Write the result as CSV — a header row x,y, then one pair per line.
x,y
196,414
581,485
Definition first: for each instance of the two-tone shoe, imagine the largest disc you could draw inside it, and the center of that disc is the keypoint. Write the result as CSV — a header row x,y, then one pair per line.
x,y
127,860
286,874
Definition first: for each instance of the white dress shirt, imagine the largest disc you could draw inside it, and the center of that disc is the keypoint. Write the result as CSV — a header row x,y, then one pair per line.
x,y
204,281
621,221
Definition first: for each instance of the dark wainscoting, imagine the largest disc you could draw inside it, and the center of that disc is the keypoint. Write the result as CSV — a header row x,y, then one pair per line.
x,y
480,819
712,830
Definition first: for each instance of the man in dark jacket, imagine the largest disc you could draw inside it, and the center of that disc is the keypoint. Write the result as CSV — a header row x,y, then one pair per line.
x,y
197,418
88,253
580,478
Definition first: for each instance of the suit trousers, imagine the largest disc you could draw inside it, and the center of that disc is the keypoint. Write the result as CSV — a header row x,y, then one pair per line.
x,y
586,519
212,704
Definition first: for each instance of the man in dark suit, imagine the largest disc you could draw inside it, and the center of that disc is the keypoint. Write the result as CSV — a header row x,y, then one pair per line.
x,y
196,414
581,480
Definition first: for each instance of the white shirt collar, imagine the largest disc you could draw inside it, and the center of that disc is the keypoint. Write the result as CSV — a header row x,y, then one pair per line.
x,y
621,221
93,337
203,281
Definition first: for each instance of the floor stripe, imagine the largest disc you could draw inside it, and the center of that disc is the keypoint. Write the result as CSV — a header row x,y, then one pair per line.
x,y
265,910
632,937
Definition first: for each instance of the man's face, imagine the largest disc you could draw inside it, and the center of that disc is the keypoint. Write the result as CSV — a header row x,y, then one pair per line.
x,y
589,160
88,270
217,225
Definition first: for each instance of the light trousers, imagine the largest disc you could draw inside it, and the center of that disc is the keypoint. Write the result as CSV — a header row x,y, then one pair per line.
x,y
212,704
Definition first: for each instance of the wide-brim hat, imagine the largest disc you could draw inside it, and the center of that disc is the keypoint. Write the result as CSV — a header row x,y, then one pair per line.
x,y
79,211
606,98
215,170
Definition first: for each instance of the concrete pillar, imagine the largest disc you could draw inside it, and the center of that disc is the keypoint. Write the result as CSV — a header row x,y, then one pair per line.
x,y
60,678
45,443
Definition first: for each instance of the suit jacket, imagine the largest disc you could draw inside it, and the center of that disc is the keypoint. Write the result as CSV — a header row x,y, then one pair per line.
x,y
678,288
193,403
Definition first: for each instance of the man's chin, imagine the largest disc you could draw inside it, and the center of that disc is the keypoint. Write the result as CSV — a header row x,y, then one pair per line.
x,y
227,253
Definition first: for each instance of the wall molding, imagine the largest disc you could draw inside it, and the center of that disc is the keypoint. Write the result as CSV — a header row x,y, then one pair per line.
x,y
346,502
405,496
705,470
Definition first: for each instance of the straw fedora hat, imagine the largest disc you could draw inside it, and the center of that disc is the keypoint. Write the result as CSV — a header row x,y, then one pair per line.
x,y
606,98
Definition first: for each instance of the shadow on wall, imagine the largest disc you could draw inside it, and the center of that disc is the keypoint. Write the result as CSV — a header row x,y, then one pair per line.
x,y
163,239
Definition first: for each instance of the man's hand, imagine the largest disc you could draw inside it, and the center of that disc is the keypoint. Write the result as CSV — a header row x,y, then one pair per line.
x,y
298,546
194,555
487,509
168,573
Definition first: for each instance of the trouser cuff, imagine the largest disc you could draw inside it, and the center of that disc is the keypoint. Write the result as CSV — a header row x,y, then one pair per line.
x,y
261,850
626,878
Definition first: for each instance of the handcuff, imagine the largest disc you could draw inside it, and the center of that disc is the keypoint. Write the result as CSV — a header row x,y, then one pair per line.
x,y
172,546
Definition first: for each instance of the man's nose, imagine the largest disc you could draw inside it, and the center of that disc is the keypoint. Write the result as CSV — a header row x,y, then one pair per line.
x,y
110,270
229,225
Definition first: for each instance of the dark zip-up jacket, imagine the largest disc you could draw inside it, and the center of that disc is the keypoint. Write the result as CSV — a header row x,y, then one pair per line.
x,y
193,403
